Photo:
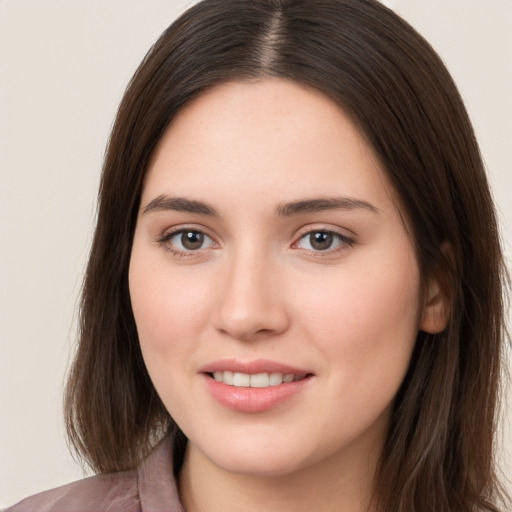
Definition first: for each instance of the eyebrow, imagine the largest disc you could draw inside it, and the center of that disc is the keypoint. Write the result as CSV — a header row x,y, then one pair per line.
x,y
182,204
324,204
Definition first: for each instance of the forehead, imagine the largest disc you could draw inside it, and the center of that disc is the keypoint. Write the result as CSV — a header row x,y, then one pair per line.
x,y
270,137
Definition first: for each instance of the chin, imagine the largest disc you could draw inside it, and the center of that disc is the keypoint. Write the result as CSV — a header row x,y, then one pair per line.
x,y
251,458
258,465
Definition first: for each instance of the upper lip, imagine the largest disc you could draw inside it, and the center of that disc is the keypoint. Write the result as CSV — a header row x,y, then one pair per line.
x,y
251,367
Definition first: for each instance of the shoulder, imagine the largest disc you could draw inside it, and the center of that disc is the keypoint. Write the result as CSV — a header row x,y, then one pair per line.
x,y
152,486
115,492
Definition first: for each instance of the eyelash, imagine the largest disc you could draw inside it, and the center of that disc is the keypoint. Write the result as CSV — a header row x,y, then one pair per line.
x,y
165,242
344,242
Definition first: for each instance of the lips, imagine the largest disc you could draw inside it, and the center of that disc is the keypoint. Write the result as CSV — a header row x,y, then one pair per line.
x,y
258,380
252,367
254,386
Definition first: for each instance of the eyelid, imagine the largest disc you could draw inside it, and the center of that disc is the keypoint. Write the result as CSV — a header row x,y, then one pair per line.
x,y
346,240
170,233
173,230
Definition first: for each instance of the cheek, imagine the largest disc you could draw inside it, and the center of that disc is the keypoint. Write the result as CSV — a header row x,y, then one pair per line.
x,y
364,317
167,304
169,311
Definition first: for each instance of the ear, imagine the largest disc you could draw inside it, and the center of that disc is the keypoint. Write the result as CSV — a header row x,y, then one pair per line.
x,y
438,301
436,309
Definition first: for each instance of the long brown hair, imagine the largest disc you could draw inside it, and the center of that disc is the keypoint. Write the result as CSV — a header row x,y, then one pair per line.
x,y
439,450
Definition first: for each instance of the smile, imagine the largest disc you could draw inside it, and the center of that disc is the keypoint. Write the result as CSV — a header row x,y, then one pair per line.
x,y
254,386
258,380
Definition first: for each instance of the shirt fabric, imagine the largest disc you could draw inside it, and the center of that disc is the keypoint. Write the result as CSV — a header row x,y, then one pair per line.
x,y
150,488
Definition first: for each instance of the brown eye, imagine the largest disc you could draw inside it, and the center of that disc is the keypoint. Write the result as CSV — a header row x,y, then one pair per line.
x,y
321,240
187,241
192,240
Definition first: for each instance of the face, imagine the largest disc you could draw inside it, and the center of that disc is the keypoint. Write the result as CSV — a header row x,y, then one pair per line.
x,y
274,285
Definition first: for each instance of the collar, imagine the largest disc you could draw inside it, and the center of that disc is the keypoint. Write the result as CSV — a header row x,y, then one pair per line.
x,y
157,485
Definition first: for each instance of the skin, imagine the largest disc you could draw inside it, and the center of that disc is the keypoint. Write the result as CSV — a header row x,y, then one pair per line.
x,y
258,288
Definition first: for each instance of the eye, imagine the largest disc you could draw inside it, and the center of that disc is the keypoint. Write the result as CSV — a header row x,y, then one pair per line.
x,y
187,240
323,240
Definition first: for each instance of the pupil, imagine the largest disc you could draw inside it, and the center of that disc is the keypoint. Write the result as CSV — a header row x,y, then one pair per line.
x,y
321,241
192,240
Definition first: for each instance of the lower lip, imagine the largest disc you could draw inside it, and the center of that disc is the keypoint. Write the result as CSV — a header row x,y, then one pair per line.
x,y
253,400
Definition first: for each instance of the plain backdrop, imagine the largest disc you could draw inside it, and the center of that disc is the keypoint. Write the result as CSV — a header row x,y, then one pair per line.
x,y
63,68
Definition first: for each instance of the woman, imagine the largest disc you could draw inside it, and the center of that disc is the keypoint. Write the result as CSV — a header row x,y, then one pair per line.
x,y
295,285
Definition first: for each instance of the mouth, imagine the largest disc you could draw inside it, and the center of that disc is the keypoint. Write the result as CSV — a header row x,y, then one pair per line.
x,y
257,380
254,386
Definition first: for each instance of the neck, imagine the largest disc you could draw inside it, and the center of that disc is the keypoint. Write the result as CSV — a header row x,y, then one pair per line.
x,y
327,486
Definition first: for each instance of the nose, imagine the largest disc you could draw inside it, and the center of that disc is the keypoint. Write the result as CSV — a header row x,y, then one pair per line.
x,y
251,303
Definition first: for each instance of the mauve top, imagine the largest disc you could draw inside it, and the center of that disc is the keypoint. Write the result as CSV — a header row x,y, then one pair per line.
x,y
150,488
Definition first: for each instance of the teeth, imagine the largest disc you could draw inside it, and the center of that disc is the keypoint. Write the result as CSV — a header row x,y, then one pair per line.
x,y
259,380
275,379
241,380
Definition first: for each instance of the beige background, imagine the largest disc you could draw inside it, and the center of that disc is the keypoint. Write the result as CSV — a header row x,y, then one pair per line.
x,y
63,67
